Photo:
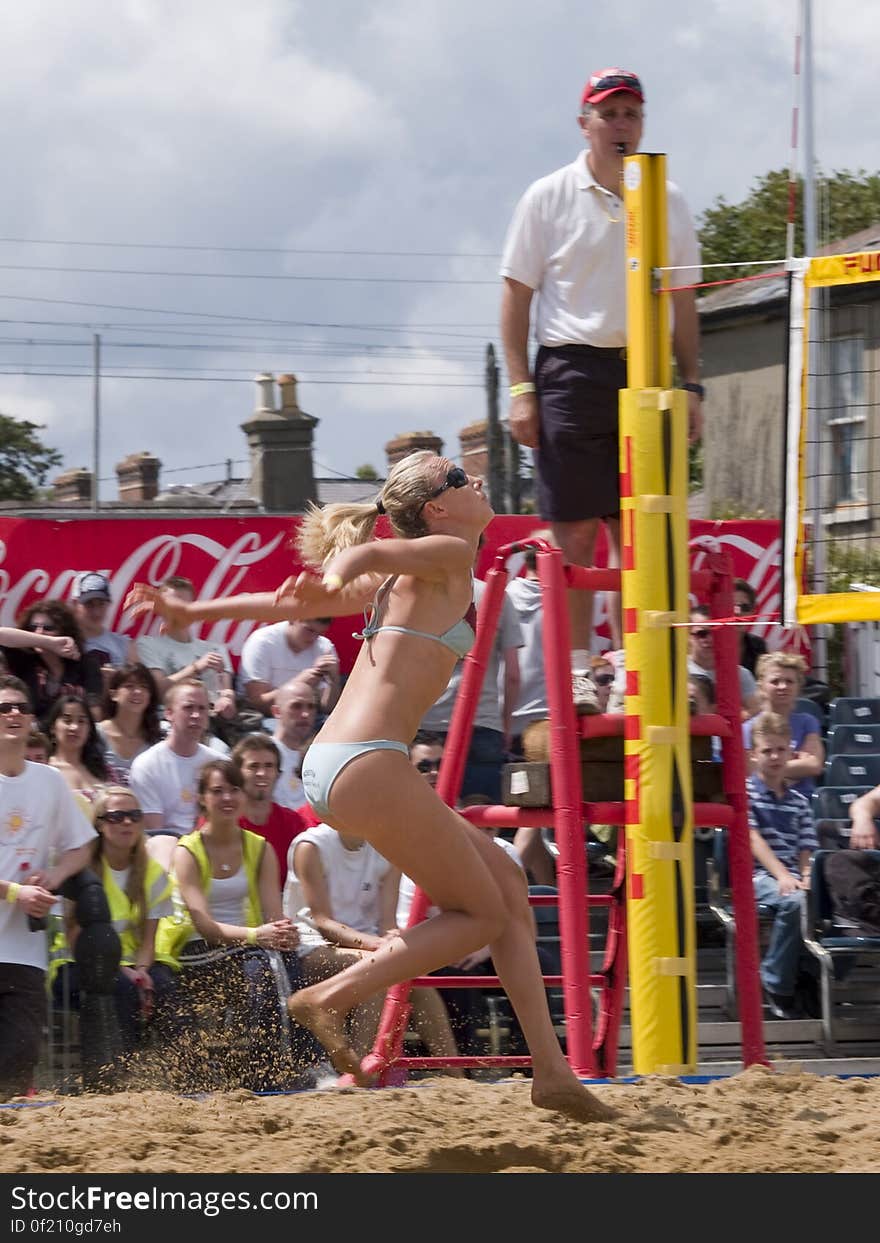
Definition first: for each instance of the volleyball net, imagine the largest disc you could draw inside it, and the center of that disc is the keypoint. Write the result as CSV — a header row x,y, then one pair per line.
x,y
831,501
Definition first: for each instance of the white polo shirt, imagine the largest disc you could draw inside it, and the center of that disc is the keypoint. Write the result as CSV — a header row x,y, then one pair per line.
x,y
567,241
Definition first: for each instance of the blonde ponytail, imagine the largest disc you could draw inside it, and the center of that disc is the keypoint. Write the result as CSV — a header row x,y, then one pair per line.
x,y
411,482
325,532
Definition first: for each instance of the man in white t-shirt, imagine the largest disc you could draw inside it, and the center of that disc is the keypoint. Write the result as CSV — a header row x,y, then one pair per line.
x,y
165,777
295,709
44,839
273,655
566,243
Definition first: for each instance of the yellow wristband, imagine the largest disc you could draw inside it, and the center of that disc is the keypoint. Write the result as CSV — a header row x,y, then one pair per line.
x,y
517,390
332,582
251,937
12,892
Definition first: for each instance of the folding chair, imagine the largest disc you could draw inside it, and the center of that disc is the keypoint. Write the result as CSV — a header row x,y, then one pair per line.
x,y
814,709
853,770
854,740
854,710
831,806
832,943
720,904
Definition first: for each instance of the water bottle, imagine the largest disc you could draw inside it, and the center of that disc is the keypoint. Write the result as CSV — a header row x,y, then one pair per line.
x,y
36,923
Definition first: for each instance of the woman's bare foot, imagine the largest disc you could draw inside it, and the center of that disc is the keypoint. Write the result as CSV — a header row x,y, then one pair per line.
x,y
572,1099
327,1027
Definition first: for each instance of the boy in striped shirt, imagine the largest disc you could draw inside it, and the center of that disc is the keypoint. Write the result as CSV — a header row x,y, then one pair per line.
x,y
783,837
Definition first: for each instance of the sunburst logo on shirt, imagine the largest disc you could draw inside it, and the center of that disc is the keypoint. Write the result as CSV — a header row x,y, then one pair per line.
x,y
186,796
14,823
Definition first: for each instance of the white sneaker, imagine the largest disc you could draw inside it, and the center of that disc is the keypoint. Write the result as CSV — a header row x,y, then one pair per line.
x,y
583,692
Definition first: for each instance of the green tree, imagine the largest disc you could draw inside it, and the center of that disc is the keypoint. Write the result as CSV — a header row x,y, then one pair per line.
x,y
25,461
755,228
366,472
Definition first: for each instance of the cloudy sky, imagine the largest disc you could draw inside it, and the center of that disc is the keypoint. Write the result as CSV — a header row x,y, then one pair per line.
x,y
220,188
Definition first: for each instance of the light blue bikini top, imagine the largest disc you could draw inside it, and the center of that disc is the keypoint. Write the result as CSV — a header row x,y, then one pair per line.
x,y
458,638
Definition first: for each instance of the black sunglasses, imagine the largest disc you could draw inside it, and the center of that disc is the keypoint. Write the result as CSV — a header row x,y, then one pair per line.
x,y
428,766
16,705
701,634
604,679
135,815
455,478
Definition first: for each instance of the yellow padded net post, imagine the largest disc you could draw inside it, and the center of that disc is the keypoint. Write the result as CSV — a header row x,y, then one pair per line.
x,y
654,584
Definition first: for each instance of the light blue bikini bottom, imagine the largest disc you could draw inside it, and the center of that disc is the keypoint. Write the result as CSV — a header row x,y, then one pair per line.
x,y
324,761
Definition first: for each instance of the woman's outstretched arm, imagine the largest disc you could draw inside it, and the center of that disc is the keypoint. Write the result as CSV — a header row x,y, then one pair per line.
x,y
268,606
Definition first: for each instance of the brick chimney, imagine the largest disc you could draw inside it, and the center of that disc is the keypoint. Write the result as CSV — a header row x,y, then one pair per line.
x,y
138,476
73,487
475,449
411,442
280,443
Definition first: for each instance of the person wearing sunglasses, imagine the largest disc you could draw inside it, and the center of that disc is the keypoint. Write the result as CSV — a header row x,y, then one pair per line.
x,y
418,589
566,245
138,893
41,822
45,651
701,659
602,676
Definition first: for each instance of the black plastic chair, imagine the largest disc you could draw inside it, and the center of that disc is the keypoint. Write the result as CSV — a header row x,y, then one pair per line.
x,y
814,709
831,806
549,951
720,904
836,946
852,770
854,740
854,710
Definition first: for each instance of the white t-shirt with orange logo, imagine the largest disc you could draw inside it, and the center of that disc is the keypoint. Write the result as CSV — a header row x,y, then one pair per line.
x,y
166,784
39,822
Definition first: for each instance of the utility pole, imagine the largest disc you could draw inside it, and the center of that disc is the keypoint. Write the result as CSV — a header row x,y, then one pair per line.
x,y
514,474
96,421
817,399
494,436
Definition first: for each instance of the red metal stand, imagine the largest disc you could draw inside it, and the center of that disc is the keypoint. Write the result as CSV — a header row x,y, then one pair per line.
x,y
592,1054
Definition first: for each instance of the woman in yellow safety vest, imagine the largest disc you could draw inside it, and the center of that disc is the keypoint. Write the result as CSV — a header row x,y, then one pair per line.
x,y
138,893
234,944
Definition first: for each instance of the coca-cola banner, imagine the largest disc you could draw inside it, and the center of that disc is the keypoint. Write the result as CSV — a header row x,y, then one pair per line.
x,y
40,558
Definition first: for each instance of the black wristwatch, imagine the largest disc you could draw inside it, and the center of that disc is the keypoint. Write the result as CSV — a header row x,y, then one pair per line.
x,y
693,387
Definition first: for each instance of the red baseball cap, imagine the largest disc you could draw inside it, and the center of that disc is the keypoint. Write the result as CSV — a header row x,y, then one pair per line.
x,y
607,81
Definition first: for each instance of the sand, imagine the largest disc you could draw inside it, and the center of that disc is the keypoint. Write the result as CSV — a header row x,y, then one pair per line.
x,y
757,1121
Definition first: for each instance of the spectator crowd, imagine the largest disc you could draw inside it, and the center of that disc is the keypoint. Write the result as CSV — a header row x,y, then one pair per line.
x,y
178,784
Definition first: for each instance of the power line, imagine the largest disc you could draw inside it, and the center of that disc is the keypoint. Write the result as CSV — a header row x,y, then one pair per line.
x,y
255,250
219,379
249,276
158,310
117,368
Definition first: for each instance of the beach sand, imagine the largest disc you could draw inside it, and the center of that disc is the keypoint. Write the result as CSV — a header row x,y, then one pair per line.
x,y
757,1121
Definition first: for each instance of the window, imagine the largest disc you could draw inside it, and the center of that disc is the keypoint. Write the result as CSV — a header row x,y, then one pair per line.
x,y
846,421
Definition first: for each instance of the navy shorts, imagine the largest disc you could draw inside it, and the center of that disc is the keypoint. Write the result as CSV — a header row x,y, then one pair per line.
x,y
576,465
